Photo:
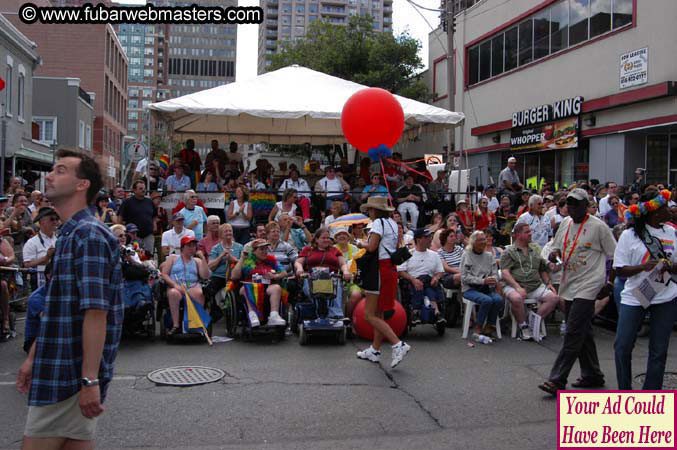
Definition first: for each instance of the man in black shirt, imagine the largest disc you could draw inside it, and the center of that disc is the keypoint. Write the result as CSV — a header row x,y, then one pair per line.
x,y
140,211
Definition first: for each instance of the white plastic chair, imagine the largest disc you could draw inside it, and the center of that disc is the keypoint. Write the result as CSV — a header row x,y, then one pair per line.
x,y
469,307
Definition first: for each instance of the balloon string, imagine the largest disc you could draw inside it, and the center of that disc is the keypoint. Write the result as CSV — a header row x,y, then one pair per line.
x,y
397,163
385,179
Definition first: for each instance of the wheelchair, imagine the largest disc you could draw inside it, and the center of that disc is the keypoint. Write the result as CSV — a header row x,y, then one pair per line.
x,y
420,313
139,309
311,316
236,317
163,315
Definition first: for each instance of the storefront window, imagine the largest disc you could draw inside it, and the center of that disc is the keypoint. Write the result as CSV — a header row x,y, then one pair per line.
x,y
673,159
600,17
578,17
657,155
557,167
526,39
559,26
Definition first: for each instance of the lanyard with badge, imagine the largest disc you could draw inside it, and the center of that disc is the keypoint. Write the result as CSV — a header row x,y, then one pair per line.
x,y
573,247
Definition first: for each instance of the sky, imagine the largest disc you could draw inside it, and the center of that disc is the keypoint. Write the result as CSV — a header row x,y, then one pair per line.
x,y
405,18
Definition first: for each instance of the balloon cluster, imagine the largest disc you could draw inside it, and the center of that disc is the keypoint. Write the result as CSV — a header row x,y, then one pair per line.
x,y
382,151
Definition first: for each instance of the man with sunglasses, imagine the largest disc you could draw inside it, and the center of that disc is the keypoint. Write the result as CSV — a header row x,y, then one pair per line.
x,y
39,249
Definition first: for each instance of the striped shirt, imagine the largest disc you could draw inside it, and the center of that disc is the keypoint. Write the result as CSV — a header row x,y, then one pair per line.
x,y
452,258
87,275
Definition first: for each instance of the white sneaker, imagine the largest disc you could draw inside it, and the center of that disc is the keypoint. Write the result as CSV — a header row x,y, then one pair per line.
x,y
370,354
399,351
274,319
254,319
525,333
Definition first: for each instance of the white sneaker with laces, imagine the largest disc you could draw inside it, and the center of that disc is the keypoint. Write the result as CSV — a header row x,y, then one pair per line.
x,y
525,333
254,319
399,351
274,319
370,354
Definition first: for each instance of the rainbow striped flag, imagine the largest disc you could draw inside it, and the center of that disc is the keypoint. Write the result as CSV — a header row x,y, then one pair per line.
x,y
262,203
164,161
255,294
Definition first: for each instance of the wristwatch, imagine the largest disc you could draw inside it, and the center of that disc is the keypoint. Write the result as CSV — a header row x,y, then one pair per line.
x,y
87,382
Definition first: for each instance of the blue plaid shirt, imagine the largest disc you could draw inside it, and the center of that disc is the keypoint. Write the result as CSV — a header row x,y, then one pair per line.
x,y
86,275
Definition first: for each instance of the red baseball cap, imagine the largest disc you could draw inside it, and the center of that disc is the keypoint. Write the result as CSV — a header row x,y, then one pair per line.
x,y
187,240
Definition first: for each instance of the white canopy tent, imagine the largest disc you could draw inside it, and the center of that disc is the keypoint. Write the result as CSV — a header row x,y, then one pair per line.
x,y
293,105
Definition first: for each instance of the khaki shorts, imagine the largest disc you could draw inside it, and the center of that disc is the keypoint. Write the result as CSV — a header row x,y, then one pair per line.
x,y
63,419
537,294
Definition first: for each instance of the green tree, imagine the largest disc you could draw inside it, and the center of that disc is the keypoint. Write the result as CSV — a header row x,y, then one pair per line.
x,y
357,53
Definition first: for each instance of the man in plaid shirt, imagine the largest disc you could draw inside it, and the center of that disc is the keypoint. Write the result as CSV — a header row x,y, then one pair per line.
x,y
70,364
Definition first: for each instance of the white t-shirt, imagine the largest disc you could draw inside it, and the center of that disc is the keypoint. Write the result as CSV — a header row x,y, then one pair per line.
x,y
585,274
34,249
388,236
141,166
630,251
604,206
422,263
493,204
173,240
331,187
540,227
239,221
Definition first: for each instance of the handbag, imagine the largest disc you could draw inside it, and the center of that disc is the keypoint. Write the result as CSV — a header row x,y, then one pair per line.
x,y
400,255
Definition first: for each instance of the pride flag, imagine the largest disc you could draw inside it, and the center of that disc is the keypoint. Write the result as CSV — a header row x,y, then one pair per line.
x,y
164,162
262,203
255,295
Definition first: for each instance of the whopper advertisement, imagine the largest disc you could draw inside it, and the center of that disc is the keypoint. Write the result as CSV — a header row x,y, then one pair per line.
x,y
550,136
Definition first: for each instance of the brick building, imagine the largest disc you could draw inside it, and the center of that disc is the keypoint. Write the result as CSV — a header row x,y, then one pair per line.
x,y
101,66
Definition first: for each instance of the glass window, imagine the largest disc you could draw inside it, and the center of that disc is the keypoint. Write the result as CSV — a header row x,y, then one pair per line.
x,y
299,30
673,151
600,17
8,90
579,11
21,88
497,55
511,49
657,153
485,60
301,8
312,18
474,65
286,8
542,34
81,135
559,26
286,20
312,8
622,13
526,40
300,20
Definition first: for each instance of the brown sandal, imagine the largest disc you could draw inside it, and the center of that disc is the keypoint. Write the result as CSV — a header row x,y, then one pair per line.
x,y
550,387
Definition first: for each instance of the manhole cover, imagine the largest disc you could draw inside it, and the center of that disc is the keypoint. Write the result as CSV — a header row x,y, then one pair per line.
x,y
185,375
669,380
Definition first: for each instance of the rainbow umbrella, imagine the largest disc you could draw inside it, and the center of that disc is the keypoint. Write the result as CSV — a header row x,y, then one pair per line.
x,y
350,219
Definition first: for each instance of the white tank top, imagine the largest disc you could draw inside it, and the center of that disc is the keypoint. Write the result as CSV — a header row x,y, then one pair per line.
x,y
291,212
239,221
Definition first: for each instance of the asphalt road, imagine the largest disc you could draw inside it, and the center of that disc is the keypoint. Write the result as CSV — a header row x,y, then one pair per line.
x,y
444,395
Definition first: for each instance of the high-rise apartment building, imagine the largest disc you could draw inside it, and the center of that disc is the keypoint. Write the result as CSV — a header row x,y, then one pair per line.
x,y
146,49
201,56
285,21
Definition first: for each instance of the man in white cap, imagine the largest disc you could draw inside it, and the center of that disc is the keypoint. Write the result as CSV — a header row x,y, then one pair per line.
x,y
171,239
583,243
509,179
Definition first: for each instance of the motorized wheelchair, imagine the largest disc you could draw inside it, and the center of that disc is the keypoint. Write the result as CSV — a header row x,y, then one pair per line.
x,y
311,316
139,306
419,311
163,315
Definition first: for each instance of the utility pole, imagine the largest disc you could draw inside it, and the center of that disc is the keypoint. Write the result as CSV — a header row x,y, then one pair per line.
x,y
449,25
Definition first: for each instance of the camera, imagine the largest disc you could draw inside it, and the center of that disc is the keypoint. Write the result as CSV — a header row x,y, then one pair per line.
x,y
128,251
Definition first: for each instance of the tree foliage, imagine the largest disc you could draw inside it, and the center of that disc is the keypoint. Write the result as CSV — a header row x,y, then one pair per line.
x,y
358,53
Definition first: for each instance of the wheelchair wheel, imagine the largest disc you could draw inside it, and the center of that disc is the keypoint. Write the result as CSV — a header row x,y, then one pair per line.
x,y
150,325
163,328
230,316
440,328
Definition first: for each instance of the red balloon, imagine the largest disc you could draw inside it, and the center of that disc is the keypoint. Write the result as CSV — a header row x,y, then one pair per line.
x,y
372,117
398,322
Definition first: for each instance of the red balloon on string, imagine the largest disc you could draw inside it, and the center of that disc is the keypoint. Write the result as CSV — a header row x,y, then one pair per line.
x,y
2,84
371,117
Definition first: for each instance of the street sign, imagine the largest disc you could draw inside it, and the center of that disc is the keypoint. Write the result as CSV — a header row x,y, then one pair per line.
x,y
457,161
2,84
136,151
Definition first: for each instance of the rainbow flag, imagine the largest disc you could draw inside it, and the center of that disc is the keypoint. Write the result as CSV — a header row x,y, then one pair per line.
x,y
164,161
262,203
195,317
255,295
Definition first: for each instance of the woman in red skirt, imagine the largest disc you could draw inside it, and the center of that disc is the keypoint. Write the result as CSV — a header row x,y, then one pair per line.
x,y
380,286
